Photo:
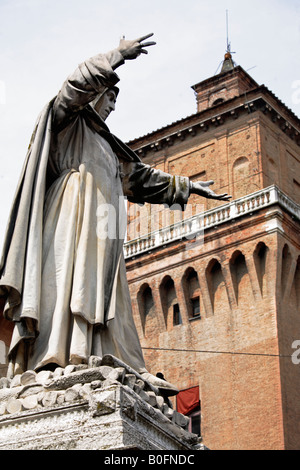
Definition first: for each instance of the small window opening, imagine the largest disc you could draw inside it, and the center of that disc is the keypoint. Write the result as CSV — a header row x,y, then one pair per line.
x,y
195,422
177,320
195,307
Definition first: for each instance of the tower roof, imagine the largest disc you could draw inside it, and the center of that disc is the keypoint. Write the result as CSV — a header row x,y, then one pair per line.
x,y
228,63
231,81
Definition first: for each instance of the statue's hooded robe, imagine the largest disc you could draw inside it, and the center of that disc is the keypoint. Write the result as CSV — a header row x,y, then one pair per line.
x,y
62,269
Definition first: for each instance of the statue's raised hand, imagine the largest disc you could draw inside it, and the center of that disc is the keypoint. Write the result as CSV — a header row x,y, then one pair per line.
x,y
131,49
202,189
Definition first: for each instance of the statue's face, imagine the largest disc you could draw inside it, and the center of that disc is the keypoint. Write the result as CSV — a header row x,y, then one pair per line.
x,y
106,104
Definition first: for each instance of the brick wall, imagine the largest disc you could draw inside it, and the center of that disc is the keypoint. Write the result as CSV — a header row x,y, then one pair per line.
x,y
248,274
242,403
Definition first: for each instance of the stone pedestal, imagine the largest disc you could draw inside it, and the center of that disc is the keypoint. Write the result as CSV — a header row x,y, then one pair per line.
x,y
89,408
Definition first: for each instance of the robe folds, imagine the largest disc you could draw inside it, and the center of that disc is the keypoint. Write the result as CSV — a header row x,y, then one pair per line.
x,y
62,268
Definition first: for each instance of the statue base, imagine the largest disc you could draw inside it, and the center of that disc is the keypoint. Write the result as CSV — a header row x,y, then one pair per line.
x,y
96,407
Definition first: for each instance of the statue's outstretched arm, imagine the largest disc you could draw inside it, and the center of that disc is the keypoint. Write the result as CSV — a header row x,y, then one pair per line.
x,y
93,77
202,188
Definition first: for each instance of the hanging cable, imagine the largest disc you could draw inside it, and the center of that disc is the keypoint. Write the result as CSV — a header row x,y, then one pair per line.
x,y
220,352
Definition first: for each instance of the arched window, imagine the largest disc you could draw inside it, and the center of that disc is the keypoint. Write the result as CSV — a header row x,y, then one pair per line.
x,y
147,310
169,303
240,278
296,284
218,101
191,290
216,286
241,176
285,267
218,97
260,261
147,301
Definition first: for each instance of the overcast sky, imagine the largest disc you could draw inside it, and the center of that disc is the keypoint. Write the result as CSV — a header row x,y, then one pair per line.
x,y
42,41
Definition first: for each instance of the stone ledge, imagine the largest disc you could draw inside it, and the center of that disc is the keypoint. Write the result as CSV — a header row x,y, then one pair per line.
x,y
113,417
83,407
193,228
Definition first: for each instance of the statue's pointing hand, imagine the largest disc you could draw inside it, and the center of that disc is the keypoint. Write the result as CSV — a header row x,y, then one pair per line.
x,y
202,189
131,49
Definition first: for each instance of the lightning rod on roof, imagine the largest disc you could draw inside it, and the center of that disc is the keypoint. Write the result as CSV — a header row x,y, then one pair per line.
x,y
228,43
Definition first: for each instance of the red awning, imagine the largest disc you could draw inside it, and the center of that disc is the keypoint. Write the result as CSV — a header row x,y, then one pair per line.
x,y
188,400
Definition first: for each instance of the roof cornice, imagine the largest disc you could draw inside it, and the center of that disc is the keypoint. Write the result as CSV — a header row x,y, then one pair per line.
x,y
223,77
257,99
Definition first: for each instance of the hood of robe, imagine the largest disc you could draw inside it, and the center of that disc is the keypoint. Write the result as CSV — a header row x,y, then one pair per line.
x,y
21,259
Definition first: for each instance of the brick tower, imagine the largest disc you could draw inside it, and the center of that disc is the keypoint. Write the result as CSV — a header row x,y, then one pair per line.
x,y
215,290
